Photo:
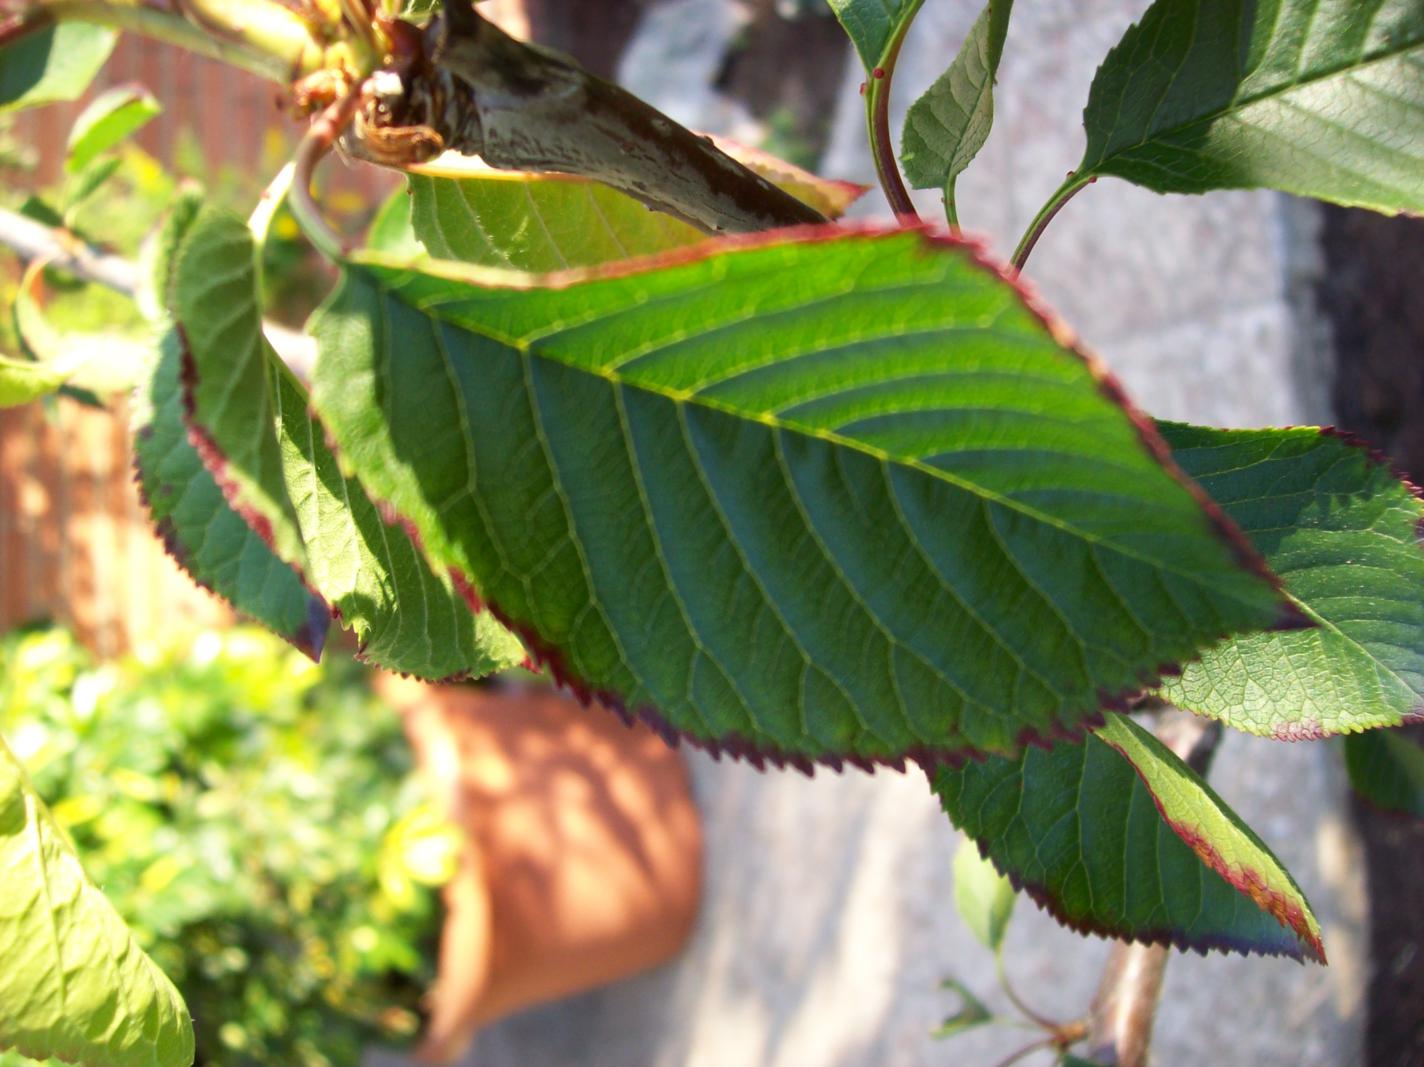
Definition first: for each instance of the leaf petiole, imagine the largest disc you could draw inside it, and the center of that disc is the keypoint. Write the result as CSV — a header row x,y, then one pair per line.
x,y
877,110
1061,196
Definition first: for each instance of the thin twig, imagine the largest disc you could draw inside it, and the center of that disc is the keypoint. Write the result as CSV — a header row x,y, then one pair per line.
x,y
324,131
1027,1050
32,240
1064,193
1018,1002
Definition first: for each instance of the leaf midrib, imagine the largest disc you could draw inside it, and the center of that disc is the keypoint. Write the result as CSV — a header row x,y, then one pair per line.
x,y
527,349
1241,103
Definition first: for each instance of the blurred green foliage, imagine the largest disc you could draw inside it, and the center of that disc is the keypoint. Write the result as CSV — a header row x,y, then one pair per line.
x,y
256,820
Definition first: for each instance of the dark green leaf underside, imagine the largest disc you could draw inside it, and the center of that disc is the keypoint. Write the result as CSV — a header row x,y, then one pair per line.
x,y
1387,769
1097,833
833,497
207,538
74,984
255,416
1321,98
406,617
1343,533
212,298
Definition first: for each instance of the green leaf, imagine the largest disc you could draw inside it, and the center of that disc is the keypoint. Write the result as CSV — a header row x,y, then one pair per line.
x,y
546,222
1387,769
252,416
391,231
53,64
946,127
537,223
74,984
212,296
85,184
972,1012
98,363
22,381
1321,98
805,498
984,897
1343,533
406,617
112,117
1115,835
872,25
208,539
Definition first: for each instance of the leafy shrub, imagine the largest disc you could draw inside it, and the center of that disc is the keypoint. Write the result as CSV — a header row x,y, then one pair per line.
x,y
256,821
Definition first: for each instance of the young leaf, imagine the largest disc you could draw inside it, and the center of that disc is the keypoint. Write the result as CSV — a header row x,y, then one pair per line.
x,y
53,64
872,25
1343,533
1387,769
1115,835
972,1012
74,984
546,222
113,116
822,497
984,897
252,416
22,381
946,127
203,534
1322,98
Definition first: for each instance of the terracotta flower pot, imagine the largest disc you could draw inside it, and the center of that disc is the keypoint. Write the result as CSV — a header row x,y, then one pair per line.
x,y
583,857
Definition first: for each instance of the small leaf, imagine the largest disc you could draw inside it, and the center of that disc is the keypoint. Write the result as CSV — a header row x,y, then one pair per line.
x,y
74,984
946,127
872,25
820,497
984,897
1387,769
206,537
1343,532
22,381
96,363
111,117
972,1012
53,64
85,184
1321,98
1115,835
